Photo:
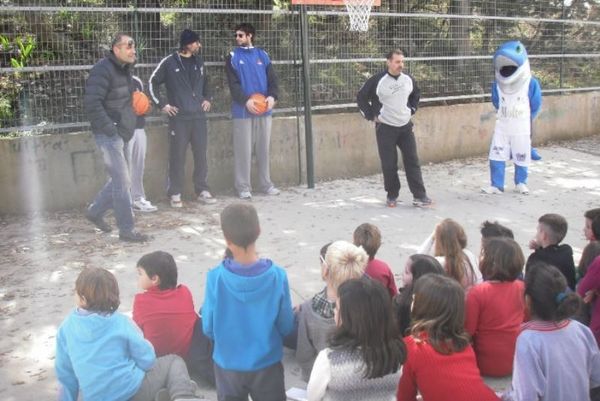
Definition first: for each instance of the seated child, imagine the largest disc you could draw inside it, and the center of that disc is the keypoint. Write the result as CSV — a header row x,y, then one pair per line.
x,y
551,230
495,309
416,266
343,261
556,358
164,311
591,216
441,364
369,237
365,353
101,353
587,288
247,311
448,243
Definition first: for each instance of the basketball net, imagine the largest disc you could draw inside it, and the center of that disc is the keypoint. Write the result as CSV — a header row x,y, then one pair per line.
x,y
359,12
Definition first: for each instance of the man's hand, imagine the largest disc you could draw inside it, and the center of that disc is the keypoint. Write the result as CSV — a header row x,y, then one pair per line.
x,y
206,105
169,110
270,103
533,244
251,106
376,120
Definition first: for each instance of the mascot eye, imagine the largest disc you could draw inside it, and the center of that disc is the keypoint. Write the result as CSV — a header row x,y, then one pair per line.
x,y
519,49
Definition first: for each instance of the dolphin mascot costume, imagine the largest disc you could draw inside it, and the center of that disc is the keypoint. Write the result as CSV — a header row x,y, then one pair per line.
x,y
517,97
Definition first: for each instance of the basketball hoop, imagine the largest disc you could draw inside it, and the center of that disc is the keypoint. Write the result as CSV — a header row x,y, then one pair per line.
x,y
359,12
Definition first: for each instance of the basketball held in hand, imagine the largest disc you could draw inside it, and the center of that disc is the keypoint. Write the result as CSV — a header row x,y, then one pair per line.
x,y
141,103
260,102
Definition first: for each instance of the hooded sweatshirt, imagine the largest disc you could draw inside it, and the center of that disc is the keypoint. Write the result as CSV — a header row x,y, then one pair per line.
x,y
247,311
103,356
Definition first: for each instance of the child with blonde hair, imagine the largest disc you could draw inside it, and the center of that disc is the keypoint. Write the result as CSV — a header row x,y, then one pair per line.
x,y
102,355
343,261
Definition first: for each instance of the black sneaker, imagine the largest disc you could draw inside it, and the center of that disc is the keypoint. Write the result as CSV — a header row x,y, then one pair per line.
x,y
422,201
98,222
133,236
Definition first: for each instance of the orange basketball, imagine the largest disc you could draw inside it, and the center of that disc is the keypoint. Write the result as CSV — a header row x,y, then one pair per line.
x,y
260,102
141,103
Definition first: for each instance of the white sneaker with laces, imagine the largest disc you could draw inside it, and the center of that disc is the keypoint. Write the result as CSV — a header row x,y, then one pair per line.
x,y
522,189
143,205
246,195
491,190
176,201
272,191
206,198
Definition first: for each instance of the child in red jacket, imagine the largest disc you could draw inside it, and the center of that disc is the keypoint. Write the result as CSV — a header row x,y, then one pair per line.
x,y
441,364
496,307
165,310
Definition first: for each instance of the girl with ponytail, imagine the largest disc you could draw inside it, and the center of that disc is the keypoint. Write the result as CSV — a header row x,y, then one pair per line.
x,y
556,358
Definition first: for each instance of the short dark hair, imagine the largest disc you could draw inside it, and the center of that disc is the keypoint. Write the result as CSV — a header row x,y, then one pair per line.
x,y
117,39
439,311
367,326
555,226
590,252
160,264
549,297
247,28
395,52
239,222
424,264
592,213
99,289
494,229
503,259
368,236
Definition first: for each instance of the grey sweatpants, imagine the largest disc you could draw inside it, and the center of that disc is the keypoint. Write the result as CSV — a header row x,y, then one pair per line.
x,y
262,385
136,157
249,133
168,372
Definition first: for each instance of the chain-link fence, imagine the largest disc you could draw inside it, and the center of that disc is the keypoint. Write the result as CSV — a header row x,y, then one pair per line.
x,y
47,48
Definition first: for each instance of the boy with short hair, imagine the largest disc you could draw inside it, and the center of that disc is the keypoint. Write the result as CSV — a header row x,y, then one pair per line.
x,y
591,216
247,311
342,261
368,237
551,230
164,311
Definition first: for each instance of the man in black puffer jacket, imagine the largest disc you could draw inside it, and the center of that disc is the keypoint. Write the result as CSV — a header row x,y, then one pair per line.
x,y
107,104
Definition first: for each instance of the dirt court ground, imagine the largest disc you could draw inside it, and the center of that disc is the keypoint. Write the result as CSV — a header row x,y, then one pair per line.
x,y
42,255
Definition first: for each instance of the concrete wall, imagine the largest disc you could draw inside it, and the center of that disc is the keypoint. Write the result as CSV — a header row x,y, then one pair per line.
x,y
57,172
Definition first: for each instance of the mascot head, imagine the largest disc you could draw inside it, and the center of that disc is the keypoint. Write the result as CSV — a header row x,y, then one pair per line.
x,y
511,65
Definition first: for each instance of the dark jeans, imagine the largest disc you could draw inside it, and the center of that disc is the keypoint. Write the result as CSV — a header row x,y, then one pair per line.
x,y
262,385
181,133
388,138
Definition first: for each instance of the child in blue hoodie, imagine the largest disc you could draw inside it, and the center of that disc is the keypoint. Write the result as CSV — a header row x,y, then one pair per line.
x,y
247,311
103,355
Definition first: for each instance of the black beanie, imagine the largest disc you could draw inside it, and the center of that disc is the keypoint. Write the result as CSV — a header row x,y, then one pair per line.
x,y
187,36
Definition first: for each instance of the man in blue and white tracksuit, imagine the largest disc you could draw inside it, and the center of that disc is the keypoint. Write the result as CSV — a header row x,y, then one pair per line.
x,y
249,70
517,97
390,98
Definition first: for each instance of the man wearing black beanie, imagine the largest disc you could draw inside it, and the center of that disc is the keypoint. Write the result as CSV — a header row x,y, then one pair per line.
x,y
188,100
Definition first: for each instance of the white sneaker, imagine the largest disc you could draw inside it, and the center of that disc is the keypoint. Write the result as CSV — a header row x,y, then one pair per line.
x,y
491,190
272,191
143,205
246,195
206,197
176,201
522,189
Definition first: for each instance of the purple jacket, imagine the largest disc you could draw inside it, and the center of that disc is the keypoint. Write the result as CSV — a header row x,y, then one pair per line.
x,y
591,282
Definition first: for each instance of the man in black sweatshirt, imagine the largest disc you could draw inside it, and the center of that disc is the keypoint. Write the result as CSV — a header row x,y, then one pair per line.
x,y
389,99
188,100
